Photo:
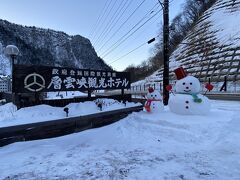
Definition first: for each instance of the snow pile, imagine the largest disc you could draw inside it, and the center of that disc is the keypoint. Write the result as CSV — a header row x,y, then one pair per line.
x,y
141,146
10,116
64,95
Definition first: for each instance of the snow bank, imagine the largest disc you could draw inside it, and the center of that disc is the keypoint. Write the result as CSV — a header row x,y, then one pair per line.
x,y
10,116
65,95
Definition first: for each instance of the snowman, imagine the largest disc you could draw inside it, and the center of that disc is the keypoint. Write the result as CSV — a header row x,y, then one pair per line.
x,y
187,100
154,101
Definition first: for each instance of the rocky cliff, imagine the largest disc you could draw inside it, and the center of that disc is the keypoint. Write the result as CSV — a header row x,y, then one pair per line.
x,y
47,47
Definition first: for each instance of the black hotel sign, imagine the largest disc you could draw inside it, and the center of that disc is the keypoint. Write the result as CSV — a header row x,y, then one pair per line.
x,y
45,79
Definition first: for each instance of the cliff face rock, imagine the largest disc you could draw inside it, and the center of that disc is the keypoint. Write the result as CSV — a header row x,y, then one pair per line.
x,y
48,47
211,50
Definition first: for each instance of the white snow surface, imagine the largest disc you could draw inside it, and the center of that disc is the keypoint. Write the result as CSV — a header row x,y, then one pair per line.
x,y
141,146
10,116
226,22
64,95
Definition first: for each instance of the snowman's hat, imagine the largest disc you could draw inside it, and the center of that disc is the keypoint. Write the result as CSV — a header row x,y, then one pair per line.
x,y
150,90
180,73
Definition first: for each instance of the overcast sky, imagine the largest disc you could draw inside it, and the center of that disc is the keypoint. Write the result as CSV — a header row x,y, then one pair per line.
x,y
80,17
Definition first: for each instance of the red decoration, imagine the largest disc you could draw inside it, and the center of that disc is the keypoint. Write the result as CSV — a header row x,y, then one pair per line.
x,y
180,73
150,90
169,87
209,86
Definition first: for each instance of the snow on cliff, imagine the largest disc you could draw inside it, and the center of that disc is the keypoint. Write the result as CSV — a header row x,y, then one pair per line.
x,y
212,48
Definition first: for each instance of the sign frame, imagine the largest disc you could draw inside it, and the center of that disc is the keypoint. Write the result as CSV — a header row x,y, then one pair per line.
x,y
35,79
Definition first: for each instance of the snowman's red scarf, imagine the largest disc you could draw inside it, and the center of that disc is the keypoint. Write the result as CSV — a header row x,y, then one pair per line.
x,y
148,104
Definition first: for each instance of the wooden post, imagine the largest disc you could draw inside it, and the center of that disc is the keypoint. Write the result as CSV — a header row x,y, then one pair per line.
x,y
225,81
122,94
224,86
89,94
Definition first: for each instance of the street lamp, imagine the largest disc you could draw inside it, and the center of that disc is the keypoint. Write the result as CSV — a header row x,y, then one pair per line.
x,y
12,51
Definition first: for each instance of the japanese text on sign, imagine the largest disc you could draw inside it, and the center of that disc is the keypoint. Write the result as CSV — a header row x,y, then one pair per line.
x,y
66,79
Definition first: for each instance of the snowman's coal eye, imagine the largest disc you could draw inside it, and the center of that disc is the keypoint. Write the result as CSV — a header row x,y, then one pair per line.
x,y
151,95
155,95
190,83
183,83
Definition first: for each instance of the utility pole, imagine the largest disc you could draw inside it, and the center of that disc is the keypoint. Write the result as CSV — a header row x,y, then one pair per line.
x,y
165,51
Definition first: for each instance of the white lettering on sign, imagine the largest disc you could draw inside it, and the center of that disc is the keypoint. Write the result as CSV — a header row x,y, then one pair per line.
x,y
92,73
102,83
118,82
109,74
56,82
64,72
114,74
79,73
98,74
111,82
86,73
92,82
125,82
69,82
82,82
72,73
54,71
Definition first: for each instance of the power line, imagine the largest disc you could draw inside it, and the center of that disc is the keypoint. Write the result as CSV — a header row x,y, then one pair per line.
x,y
149,42
100,17
115,23
118,43
129,17
107,19
132,33
108,13
145,16
119,40
138,35
113,19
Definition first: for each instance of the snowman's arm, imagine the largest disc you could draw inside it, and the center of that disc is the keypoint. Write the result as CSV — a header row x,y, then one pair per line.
x,y
170,89
209,87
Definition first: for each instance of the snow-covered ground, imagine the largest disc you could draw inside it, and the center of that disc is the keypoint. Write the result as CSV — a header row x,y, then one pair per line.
x,y
141,146
65,95
9,115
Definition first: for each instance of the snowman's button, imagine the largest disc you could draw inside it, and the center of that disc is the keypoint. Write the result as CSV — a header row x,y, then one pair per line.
x,y
187,102
186,107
